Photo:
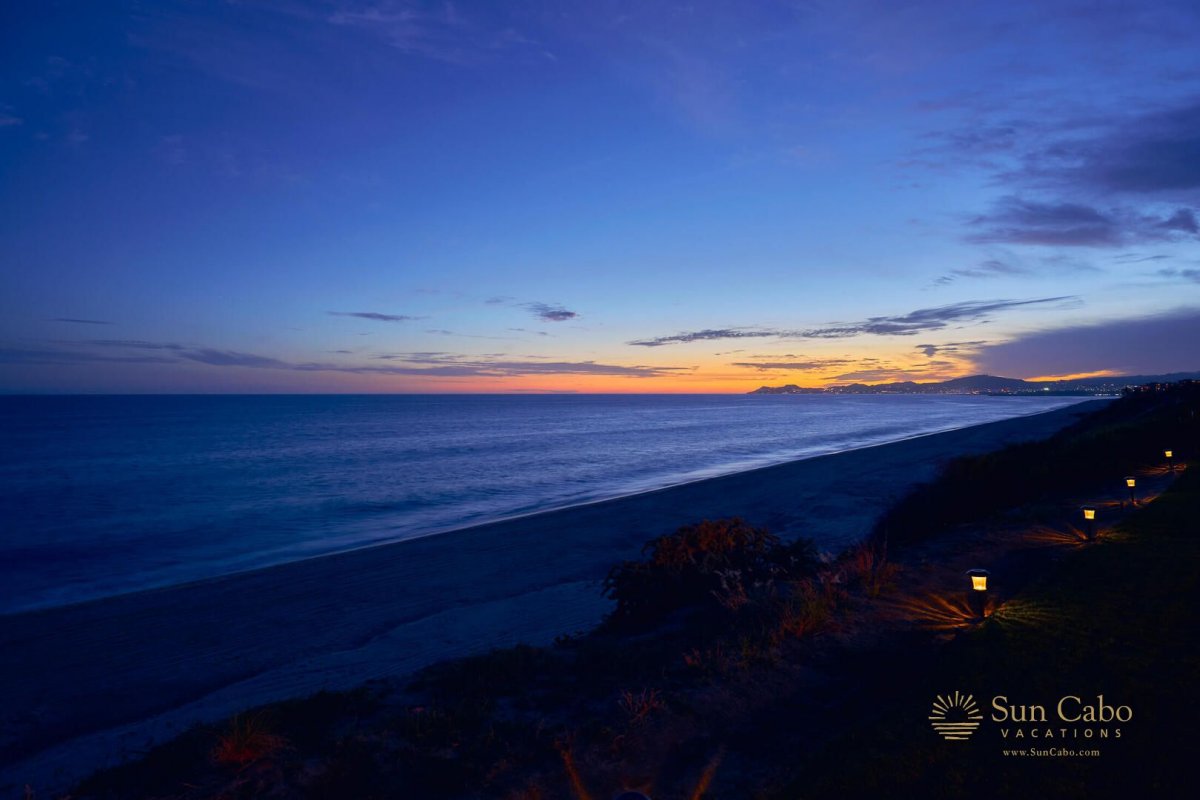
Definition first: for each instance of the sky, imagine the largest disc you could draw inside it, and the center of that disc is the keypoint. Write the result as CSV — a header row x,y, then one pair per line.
x,y
594,196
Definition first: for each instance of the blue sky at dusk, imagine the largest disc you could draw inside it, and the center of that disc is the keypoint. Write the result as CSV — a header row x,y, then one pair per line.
x,y
602,196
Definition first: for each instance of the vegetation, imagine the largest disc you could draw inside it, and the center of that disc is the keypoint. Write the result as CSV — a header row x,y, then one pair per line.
x,y
246,742
724,565
1127,434
1116,619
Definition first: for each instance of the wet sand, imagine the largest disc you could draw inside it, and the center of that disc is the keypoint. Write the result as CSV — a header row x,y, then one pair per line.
x,y
89,685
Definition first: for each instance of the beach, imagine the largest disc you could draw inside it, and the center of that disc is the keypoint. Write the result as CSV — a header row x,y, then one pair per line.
x,y
92,684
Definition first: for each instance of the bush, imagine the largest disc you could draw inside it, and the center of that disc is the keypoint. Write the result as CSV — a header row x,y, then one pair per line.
x,y
722,565
245,742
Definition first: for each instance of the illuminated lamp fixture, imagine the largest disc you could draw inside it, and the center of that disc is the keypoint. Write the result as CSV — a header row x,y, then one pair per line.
x,y
1089,516
977,594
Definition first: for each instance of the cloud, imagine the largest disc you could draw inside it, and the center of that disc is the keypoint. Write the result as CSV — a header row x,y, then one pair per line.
x,y
923,319
1081,177
374,315
710,334
1157,344
550,313
990,268
135,344
55,356
1154,153
1135,258
1014,220
496,365
232,358
793,366
928,319
437,364
8,120
82,321
931,350
1188,275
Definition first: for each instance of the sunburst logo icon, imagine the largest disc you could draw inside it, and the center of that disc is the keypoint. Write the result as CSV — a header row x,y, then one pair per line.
x,y
955,716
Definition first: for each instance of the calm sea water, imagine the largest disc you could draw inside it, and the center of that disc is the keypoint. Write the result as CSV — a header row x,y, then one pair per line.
x,y
103,495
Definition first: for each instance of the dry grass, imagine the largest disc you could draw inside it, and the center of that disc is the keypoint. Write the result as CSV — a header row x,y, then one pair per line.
x,y
247,741
867,564
639,706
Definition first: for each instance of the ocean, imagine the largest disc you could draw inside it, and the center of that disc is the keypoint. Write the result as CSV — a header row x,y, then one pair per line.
x,y
101,495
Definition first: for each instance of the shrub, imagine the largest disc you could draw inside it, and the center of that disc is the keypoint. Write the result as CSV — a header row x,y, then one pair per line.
x,y
720,564
638,706
867,565
246,742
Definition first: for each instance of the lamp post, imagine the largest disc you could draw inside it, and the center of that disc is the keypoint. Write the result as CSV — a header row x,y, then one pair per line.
x,y
1170,454
1131,482
977,594
1089,516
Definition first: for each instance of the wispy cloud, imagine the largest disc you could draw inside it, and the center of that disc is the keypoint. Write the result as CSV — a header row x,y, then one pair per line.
x,y
923,319
793,366
550,313
15,355
374,315
931,350
82,321
929,319
1137,258
433,364
233,358
132,344
709,334
1014,220
1187,275
989,268
498,365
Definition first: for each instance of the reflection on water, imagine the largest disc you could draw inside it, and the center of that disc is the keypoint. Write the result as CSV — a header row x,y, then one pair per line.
x,y
107,494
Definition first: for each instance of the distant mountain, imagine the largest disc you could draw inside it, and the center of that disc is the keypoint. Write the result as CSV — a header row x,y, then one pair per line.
x,y
988,384
791,388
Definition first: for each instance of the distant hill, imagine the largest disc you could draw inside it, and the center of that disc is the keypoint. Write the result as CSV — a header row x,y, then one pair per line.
x,y
988,384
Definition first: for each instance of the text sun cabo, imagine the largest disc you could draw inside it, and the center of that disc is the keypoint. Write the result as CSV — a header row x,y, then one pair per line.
x,y
1069,709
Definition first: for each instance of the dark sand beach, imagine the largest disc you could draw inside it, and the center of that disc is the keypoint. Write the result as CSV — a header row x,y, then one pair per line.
x,y
92,684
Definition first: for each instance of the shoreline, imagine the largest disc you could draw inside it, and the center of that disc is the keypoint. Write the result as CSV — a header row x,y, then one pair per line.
x,y
101,680
649,486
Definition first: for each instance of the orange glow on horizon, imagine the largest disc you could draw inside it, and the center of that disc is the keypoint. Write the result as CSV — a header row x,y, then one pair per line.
x,y
1075,376
674,372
